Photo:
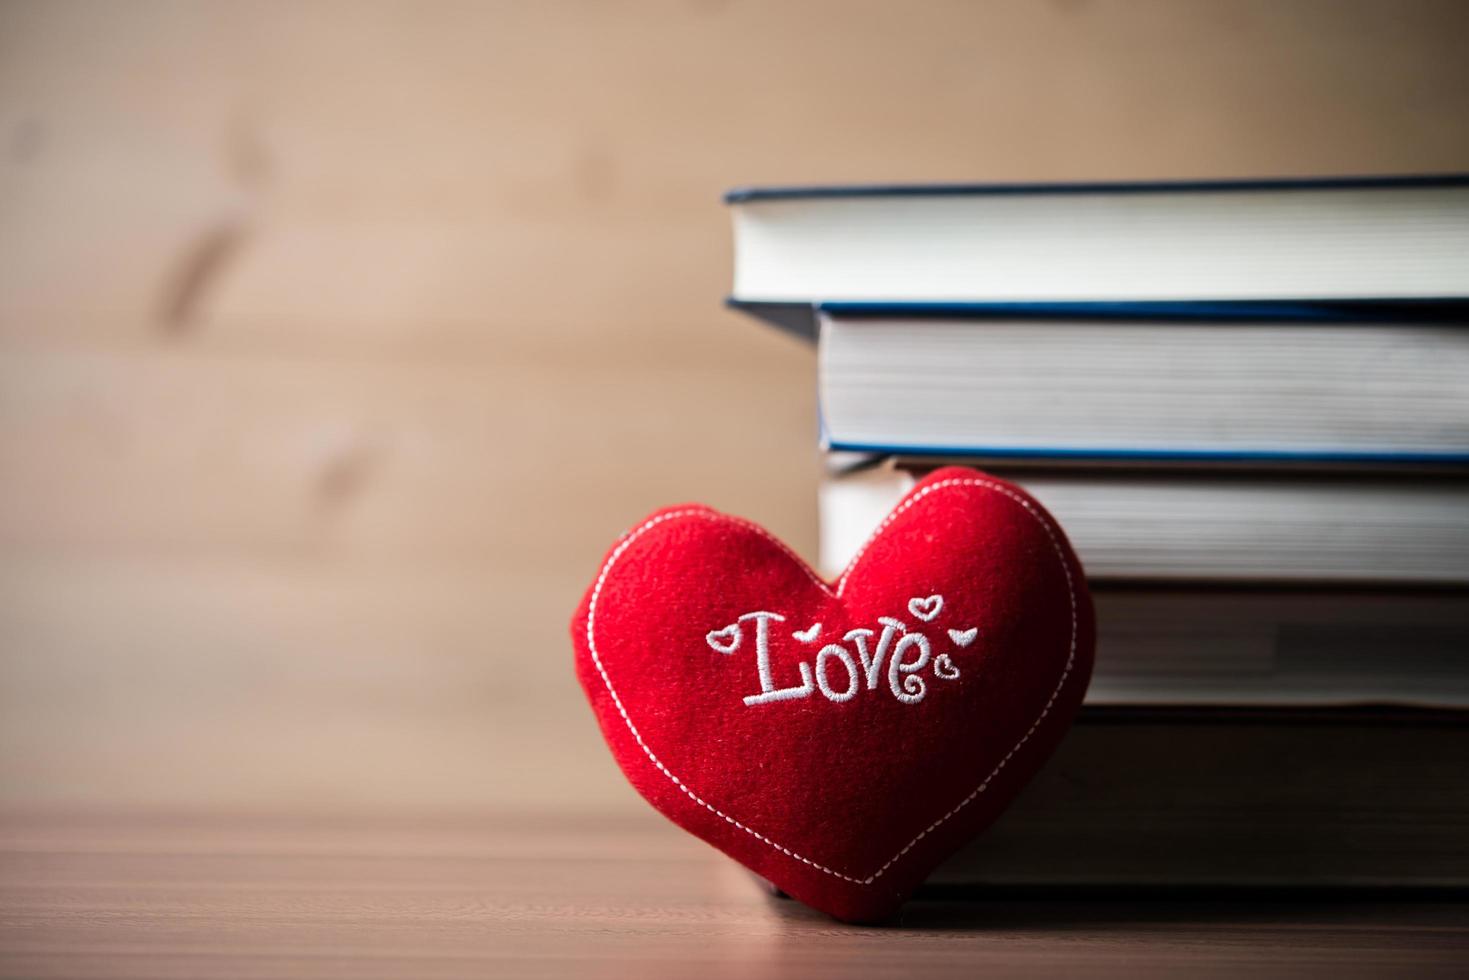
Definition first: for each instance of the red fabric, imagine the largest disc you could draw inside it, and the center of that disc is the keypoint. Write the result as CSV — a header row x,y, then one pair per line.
x,y
846,805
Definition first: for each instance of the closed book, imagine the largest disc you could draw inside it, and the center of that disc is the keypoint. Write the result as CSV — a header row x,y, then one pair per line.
x,y
1247,647
1328,386
1221,528
1335,239
1244,799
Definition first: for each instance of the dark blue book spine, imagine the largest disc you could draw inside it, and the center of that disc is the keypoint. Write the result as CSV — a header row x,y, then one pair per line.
x,y
1262,457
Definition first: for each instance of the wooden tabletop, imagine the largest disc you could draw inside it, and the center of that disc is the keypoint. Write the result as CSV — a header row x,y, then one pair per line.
x,y
437,896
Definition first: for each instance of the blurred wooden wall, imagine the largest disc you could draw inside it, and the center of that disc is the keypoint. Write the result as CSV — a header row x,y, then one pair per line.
x,y
337,342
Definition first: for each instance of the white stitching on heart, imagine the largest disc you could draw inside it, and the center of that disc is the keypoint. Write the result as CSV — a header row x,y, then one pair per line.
x,y
962,638
853,681
926,608
911,689
732,634
633,535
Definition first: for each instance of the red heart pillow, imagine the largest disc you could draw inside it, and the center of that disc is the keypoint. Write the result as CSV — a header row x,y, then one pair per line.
x,y
840,740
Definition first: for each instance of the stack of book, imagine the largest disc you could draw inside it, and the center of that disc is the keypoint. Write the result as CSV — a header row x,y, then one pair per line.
x,y
1248,405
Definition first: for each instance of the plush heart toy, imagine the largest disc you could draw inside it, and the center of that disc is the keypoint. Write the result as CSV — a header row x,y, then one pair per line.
x,y
840,740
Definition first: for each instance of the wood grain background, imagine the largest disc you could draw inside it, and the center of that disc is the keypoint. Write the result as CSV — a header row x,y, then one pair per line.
x,y
337,341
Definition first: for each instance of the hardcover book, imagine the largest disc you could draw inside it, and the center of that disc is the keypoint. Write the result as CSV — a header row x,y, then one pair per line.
x,y
1334,239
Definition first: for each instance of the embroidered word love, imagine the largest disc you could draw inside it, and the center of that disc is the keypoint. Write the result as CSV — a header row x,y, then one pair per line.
x,y
898,657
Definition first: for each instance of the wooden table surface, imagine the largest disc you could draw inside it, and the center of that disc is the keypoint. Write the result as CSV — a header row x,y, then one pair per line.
x,y
436,896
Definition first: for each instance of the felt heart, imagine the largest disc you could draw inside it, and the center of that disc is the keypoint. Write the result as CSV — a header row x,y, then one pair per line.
x,y
842,771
